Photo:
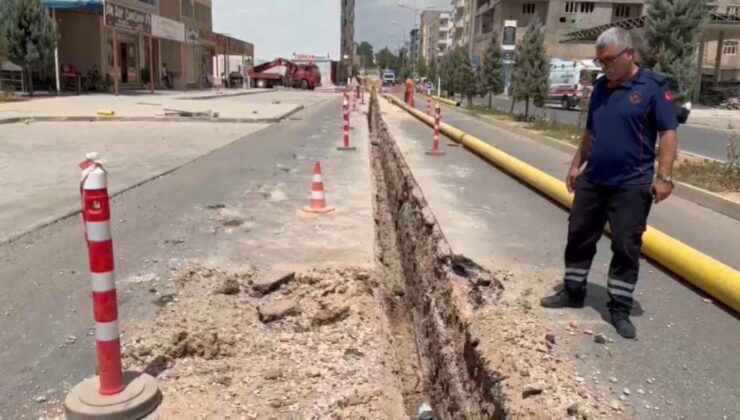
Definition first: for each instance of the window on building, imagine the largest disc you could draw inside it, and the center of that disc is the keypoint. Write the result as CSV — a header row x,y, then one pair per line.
x,y
733,10
202,14
528,8
188,10
579,7
729,48
622,10
149,2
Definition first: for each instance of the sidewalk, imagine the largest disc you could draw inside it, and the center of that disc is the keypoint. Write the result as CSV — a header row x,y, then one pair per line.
x,y
501,224
231,106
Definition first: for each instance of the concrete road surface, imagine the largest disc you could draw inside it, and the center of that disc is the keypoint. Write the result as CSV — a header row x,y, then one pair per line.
x,y
703,141
687,346
237,205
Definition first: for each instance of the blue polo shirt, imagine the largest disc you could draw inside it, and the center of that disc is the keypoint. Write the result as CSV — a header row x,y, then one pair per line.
x,y
625,121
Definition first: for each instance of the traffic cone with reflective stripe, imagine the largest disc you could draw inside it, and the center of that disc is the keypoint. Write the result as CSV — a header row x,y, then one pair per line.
x,y
318,202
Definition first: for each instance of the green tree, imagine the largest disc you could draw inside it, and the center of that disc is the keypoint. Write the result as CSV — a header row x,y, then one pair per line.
x,y
421,68
673,30
469,79
531,68
386,59
4,8
31,36
446,72
492,75
365,50
433,72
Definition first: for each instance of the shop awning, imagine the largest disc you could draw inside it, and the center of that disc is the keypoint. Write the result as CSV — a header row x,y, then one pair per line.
x,y
72,4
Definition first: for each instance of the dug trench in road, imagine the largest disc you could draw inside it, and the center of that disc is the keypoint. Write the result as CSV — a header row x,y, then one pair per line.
x,y
495,220
235,207
702,141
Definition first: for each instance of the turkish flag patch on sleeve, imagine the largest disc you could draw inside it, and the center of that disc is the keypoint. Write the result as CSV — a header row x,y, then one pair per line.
x,y
668,95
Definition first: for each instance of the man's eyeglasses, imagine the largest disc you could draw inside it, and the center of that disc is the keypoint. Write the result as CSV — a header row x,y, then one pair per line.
x,y
606,62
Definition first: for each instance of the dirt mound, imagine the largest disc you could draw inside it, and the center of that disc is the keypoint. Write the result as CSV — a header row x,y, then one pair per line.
x,y
214,357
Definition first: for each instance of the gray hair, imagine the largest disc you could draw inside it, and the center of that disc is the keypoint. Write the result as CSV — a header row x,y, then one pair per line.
x,y
615,36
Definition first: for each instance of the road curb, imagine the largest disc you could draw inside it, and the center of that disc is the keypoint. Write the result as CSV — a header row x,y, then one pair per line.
x,y
217,96
16,120
712,276
700,196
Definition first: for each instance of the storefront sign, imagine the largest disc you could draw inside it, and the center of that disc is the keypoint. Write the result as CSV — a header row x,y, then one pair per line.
x,y
192,35
508,40
125,18
168,28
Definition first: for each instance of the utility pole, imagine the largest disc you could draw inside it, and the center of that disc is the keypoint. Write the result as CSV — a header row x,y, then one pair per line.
x,y
416,11
471,41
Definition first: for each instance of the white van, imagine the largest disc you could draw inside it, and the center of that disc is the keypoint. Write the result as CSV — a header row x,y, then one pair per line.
x,y
570,80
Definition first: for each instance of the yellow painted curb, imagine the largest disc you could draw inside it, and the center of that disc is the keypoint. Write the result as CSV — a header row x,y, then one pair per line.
x,y
106,112
714,277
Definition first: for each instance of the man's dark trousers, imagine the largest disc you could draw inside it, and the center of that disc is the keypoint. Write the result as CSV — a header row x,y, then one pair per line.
x,y
626,208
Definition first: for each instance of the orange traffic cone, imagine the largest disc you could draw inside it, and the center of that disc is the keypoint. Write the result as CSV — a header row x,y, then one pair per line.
x,y
318,202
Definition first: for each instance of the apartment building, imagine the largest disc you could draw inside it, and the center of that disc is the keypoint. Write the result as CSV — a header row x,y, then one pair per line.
x,y
558,16
129,41
414,45
435,34
720,55
347,42
462,22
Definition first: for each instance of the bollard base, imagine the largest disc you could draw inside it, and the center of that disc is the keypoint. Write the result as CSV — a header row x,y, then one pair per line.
x,y
435,153
347,149
139,398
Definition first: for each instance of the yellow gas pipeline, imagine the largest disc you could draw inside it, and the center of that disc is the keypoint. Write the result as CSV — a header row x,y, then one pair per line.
x,y
714,277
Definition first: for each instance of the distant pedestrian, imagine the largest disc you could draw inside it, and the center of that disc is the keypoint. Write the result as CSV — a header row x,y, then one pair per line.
x,y
409,97
613,175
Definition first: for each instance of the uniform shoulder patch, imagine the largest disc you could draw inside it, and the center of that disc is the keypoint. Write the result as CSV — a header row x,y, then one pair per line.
x,y
668,95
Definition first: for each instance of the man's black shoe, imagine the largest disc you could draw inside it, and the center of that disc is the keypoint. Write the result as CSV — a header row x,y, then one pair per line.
x,y
563,299
623,325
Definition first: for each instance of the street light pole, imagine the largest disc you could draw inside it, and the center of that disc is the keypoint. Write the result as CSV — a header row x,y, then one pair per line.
x,y
416,11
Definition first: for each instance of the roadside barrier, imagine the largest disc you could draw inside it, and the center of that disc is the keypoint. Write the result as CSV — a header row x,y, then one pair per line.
x,y
712,276
345,147
112,392
435,140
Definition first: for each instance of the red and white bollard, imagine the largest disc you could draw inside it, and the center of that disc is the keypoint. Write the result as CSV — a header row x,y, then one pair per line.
x,y
354,104
345,128
429,106
435,142
118,393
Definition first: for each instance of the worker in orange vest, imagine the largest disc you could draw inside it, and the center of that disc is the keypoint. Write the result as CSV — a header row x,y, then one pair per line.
x,y
410,92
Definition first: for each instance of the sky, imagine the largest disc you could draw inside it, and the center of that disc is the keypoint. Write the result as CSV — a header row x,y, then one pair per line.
x,y
373,20
278,28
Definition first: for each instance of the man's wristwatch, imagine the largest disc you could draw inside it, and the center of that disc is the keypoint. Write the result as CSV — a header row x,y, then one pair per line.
x,y
665,178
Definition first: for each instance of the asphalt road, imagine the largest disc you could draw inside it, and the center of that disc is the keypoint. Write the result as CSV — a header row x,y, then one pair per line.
x,y
688,345
694,139
46,345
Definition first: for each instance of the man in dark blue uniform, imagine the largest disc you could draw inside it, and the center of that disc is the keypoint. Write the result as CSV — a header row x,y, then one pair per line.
x,y
614,177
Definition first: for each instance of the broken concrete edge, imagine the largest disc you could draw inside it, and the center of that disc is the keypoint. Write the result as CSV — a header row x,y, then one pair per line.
x,y
74,210
696,195
462,384
279,118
